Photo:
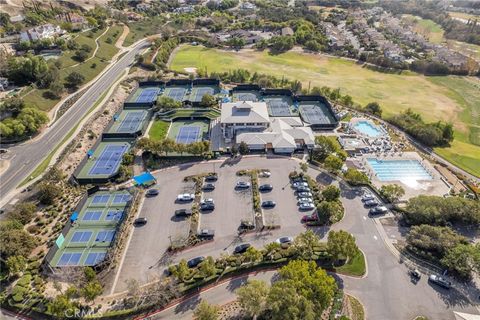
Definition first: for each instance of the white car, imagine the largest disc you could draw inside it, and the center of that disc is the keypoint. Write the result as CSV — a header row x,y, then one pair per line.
x,y
306,206
265,174
300,184
207,201
367,196
284,240
185,197
305,195
303,200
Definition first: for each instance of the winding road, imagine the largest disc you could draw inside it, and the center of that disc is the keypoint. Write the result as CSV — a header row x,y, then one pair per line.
x,y
25,157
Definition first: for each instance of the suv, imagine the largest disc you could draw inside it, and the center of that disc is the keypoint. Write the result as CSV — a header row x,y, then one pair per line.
x,y
242,185
208,187
442,282
211,178
284,240
265,187
183,212
206,234
310,218
207,206
192,263
268,204
185,197
371,203
241,248
152,192
378,210
140,222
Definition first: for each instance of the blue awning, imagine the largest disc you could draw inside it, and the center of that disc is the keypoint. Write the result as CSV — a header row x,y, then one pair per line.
x,y
74,216
145,178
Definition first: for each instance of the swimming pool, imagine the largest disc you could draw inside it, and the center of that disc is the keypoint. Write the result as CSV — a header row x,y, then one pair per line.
x,y
402,170
367,128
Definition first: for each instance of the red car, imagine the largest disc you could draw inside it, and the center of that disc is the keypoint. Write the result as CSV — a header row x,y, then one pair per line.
x,y
308,218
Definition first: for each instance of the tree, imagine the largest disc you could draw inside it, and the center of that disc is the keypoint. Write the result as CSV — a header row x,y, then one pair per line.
x,y
432,241
15,242
90,274
74,79
331,193
279,44
333,163
207,267
356,177
23,212
206,311
304,167
303,291
234,149
168,103
48,192
329,212
15,265
392,192
243,148
208,101
168,145
181,270
81,55
252,297
252,255
92,290
306,244
341,244
56,90
61,306
373,108
325,146
463,259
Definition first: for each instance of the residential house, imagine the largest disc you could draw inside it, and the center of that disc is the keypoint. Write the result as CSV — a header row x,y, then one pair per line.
x,y
41,32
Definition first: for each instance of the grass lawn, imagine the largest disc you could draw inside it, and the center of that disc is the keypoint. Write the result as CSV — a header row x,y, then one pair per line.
x,y
89,69
158,130
354,267
426,27
449,98
142,29
86,37
462,15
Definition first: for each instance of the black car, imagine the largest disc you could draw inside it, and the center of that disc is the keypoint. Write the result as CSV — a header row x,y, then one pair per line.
x,y
206,234
415,274
241,248
140,222
207,206
208,187
192,263
152,192
299,179
303,189
268,204
211,178
183,212
265,187
442,282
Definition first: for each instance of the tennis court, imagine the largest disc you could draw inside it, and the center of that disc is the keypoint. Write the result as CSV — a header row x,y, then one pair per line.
x,y
176,93
132,121
148,95
316,113
245,95
278,106
198,93
188,134
109,160
189,131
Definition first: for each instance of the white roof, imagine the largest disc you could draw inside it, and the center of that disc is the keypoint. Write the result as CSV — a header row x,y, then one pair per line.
x,y
280,135
244,112
466,316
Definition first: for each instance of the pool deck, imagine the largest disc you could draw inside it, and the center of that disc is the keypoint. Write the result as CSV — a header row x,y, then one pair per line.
x,y
436,186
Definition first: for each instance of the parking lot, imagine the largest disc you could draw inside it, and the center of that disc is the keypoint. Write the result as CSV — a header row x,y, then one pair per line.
x,y
146,257
231,206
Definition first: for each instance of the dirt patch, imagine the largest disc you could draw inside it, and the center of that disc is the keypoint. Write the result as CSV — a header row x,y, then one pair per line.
x,y
231,311
190,70
390,222
126,31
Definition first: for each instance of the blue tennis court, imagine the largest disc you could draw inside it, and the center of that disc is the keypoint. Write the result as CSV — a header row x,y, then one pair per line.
x,y
114,215
131,122
69,259
94,257
199,92
148,95
121,198
188,134
81,236
105,236
92,216
109,160
175,93
100,199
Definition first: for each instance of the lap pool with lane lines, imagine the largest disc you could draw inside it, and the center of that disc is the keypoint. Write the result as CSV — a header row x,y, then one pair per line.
x,y
390,170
